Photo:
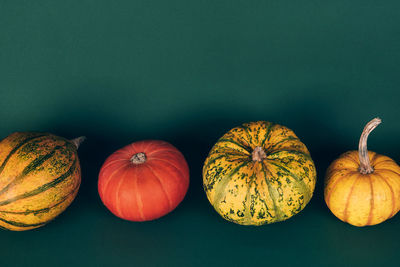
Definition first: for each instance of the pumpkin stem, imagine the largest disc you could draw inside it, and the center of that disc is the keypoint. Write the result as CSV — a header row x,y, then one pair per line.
x,y
258,154
139,158
365,164
78,141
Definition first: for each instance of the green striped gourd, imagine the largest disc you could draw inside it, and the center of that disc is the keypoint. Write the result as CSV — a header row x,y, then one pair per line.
x,y
39,178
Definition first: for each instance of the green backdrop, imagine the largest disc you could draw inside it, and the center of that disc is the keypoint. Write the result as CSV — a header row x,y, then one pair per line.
x,y
187,72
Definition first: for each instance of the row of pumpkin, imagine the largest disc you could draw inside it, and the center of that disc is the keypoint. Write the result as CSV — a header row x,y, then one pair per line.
x,y
257,173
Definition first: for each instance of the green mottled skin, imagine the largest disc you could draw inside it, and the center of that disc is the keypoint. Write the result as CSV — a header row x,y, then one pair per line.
x,y
252,192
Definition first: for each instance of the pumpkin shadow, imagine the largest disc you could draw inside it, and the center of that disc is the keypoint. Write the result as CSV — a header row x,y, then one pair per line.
x,y
200,129
195,132
186,136
194,136
311,121
92,154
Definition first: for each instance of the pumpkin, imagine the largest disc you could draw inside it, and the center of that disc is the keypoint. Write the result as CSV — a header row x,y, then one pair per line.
x,y
363,187
259,173
144,180
39,178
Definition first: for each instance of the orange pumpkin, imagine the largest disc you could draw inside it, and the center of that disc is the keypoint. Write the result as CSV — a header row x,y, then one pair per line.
x,y
363,187
144,181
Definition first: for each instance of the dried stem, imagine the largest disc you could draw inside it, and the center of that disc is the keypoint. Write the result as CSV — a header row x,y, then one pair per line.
x,y
139,158
258,154
78,141
365,164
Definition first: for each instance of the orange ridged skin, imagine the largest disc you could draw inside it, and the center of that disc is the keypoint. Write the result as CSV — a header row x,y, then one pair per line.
x,y
147,190
362,187
363,199
39,178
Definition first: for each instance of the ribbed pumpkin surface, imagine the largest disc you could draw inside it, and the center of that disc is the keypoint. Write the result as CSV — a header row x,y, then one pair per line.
x,y
39,178
252,192
144,181
363,199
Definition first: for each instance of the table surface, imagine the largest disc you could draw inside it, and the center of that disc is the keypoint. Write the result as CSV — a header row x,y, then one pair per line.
x,y
187,72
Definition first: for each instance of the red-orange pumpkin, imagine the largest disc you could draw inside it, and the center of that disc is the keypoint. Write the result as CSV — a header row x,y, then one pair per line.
x,y
144,180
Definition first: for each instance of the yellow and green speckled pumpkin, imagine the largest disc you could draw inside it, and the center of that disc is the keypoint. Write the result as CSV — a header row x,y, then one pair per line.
x,y
39,178
259,173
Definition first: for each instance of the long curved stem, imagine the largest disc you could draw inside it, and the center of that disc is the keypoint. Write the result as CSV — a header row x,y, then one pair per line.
x,y
365,164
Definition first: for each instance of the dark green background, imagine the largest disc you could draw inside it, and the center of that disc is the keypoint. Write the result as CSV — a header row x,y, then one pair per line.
x,y
186,72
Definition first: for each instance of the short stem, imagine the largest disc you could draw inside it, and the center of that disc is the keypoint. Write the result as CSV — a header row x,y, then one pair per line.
x,y
258,154
78,141
365,164
139,158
